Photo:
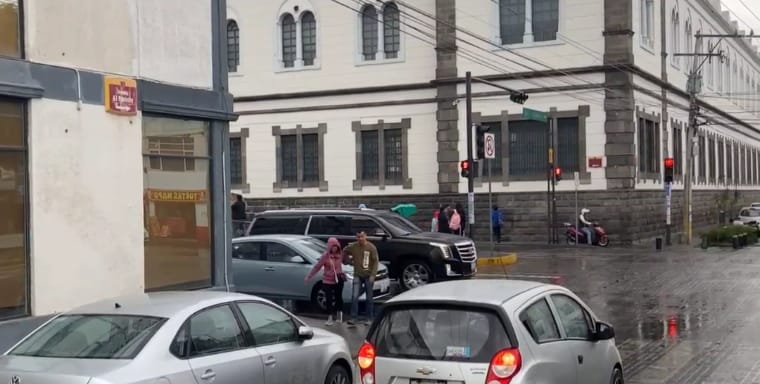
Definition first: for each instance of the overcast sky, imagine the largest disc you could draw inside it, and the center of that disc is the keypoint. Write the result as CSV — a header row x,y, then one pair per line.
x,y
745,18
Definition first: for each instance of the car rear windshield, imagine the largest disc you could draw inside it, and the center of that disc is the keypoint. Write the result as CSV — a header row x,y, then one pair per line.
x,y
461,334
91,337
279,225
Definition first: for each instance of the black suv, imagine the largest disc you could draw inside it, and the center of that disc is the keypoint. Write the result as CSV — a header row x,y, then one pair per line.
x,y
413,256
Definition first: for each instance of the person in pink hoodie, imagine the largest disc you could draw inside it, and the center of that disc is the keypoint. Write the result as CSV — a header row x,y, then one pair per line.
x,y
333,278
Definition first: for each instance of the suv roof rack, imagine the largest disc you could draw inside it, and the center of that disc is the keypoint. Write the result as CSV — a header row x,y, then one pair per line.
x,y
342,210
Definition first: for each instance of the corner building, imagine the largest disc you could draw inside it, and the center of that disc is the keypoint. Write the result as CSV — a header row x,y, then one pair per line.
x,y
113,122
363,102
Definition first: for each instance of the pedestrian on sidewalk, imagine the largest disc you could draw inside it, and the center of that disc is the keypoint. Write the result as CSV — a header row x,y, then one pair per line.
x,y
363,256
434,222
443,219
459,209
455,222
239,216
333,278
497,221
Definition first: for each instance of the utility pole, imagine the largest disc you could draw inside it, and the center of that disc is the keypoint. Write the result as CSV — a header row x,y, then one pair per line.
x,y
515,96
664,113
694,87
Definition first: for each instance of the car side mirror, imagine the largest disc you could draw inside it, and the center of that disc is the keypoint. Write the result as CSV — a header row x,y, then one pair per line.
x,y
305,333
604,331
297,260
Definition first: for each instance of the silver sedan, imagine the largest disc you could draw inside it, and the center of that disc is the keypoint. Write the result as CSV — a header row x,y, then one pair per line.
x,y
178,337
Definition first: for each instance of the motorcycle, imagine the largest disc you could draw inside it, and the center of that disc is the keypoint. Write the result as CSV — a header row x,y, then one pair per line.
x,y
575,235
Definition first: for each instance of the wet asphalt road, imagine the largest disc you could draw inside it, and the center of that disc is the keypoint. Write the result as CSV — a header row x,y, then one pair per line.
x,y
680,316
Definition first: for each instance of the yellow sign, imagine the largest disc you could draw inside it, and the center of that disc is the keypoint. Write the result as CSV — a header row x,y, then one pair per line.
x,y
551,155
177,196
500,260
120,96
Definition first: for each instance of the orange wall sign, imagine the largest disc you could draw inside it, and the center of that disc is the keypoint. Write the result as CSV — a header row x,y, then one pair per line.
x,y
121,96
176,196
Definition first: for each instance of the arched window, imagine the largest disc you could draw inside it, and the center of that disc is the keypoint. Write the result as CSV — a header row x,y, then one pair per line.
x,y
308,38
233,46
391,31
369,32
289,46
675,39
688,40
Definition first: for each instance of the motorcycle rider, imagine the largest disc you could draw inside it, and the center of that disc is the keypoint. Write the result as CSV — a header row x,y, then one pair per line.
x,y
587,226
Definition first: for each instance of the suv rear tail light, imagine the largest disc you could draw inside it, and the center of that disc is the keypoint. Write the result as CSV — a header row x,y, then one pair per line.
x,y
366,361
504,366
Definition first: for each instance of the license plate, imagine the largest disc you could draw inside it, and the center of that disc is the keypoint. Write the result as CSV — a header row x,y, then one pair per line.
x,y
422,381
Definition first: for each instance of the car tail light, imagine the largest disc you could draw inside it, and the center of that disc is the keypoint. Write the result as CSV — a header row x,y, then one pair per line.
x,y
366,361
504,366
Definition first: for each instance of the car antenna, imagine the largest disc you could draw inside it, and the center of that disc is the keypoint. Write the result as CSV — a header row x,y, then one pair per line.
x,y
117,305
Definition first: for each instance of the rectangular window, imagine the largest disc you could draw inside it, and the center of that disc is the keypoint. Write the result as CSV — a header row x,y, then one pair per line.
x,y
545,20
512,21
528,144
10,28
647,22
289,154
370,156
236,160
729,163
712,160
177,204
310,158
567,145
649,147
721,162
13,208
393,156
678,150
702,153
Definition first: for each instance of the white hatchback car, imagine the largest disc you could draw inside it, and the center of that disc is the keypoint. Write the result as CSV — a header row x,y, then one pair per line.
x,y
489,332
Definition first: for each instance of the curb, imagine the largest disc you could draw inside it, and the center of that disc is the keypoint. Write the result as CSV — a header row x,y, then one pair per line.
x,y
506,259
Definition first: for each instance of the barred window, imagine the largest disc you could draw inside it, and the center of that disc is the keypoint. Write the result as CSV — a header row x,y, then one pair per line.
x,y
702,153
391,30
310,158
369,33
649,146
567,144
711,157
174,153
236,160
527,148
288,41
721,161
545,20
678,150
512,21
370,156
289,154
308,38
233,46
393,156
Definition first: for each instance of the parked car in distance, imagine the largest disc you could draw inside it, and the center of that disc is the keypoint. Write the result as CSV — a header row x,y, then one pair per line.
x,y
178,337
275,266
489,331
413,256
748,216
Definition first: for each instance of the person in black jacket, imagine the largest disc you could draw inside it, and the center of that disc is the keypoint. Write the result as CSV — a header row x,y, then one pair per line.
x,y
443,219
239,216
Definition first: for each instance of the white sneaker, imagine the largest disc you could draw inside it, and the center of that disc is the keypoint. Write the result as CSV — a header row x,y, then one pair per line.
x,y
329,321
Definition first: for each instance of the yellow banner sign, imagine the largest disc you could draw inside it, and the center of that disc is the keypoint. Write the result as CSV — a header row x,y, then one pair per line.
x,y
121,96
177,196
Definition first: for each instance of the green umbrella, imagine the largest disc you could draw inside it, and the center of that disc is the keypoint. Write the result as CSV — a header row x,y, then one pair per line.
x,y
405,210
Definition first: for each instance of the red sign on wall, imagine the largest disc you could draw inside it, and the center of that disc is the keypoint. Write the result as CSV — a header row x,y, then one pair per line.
x,y
121,96
595,162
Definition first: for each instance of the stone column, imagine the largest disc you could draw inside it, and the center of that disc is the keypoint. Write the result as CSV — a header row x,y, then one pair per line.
x,y
448,112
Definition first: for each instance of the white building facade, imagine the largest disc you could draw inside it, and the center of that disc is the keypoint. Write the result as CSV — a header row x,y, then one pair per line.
x,y
113,126
344,102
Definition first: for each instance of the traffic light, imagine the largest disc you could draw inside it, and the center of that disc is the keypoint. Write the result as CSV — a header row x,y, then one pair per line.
x,y
465,167
670,164
480,141
518,98
557,174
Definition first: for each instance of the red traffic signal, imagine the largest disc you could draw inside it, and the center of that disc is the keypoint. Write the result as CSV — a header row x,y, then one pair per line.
x,y
465,167
557,174
670,163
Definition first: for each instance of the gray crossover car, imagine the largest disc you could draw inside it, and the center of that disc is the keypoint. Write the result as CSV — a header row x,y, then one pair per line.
x,y
178,337
274,266
489,331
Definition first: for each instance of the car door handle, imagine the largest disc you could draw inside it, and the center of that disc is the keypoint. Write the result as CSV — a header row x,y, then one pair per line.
x,y
270,361
580,359
269,269
208,375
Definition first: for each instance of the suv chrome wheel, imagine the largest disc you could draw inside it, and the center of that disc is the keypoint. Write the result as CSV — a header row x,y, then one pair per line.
x,y
415,274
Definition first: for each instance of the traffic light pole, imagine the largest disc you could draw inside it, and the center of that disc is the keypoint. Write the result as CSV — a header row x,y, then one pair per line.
x,y
470,176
